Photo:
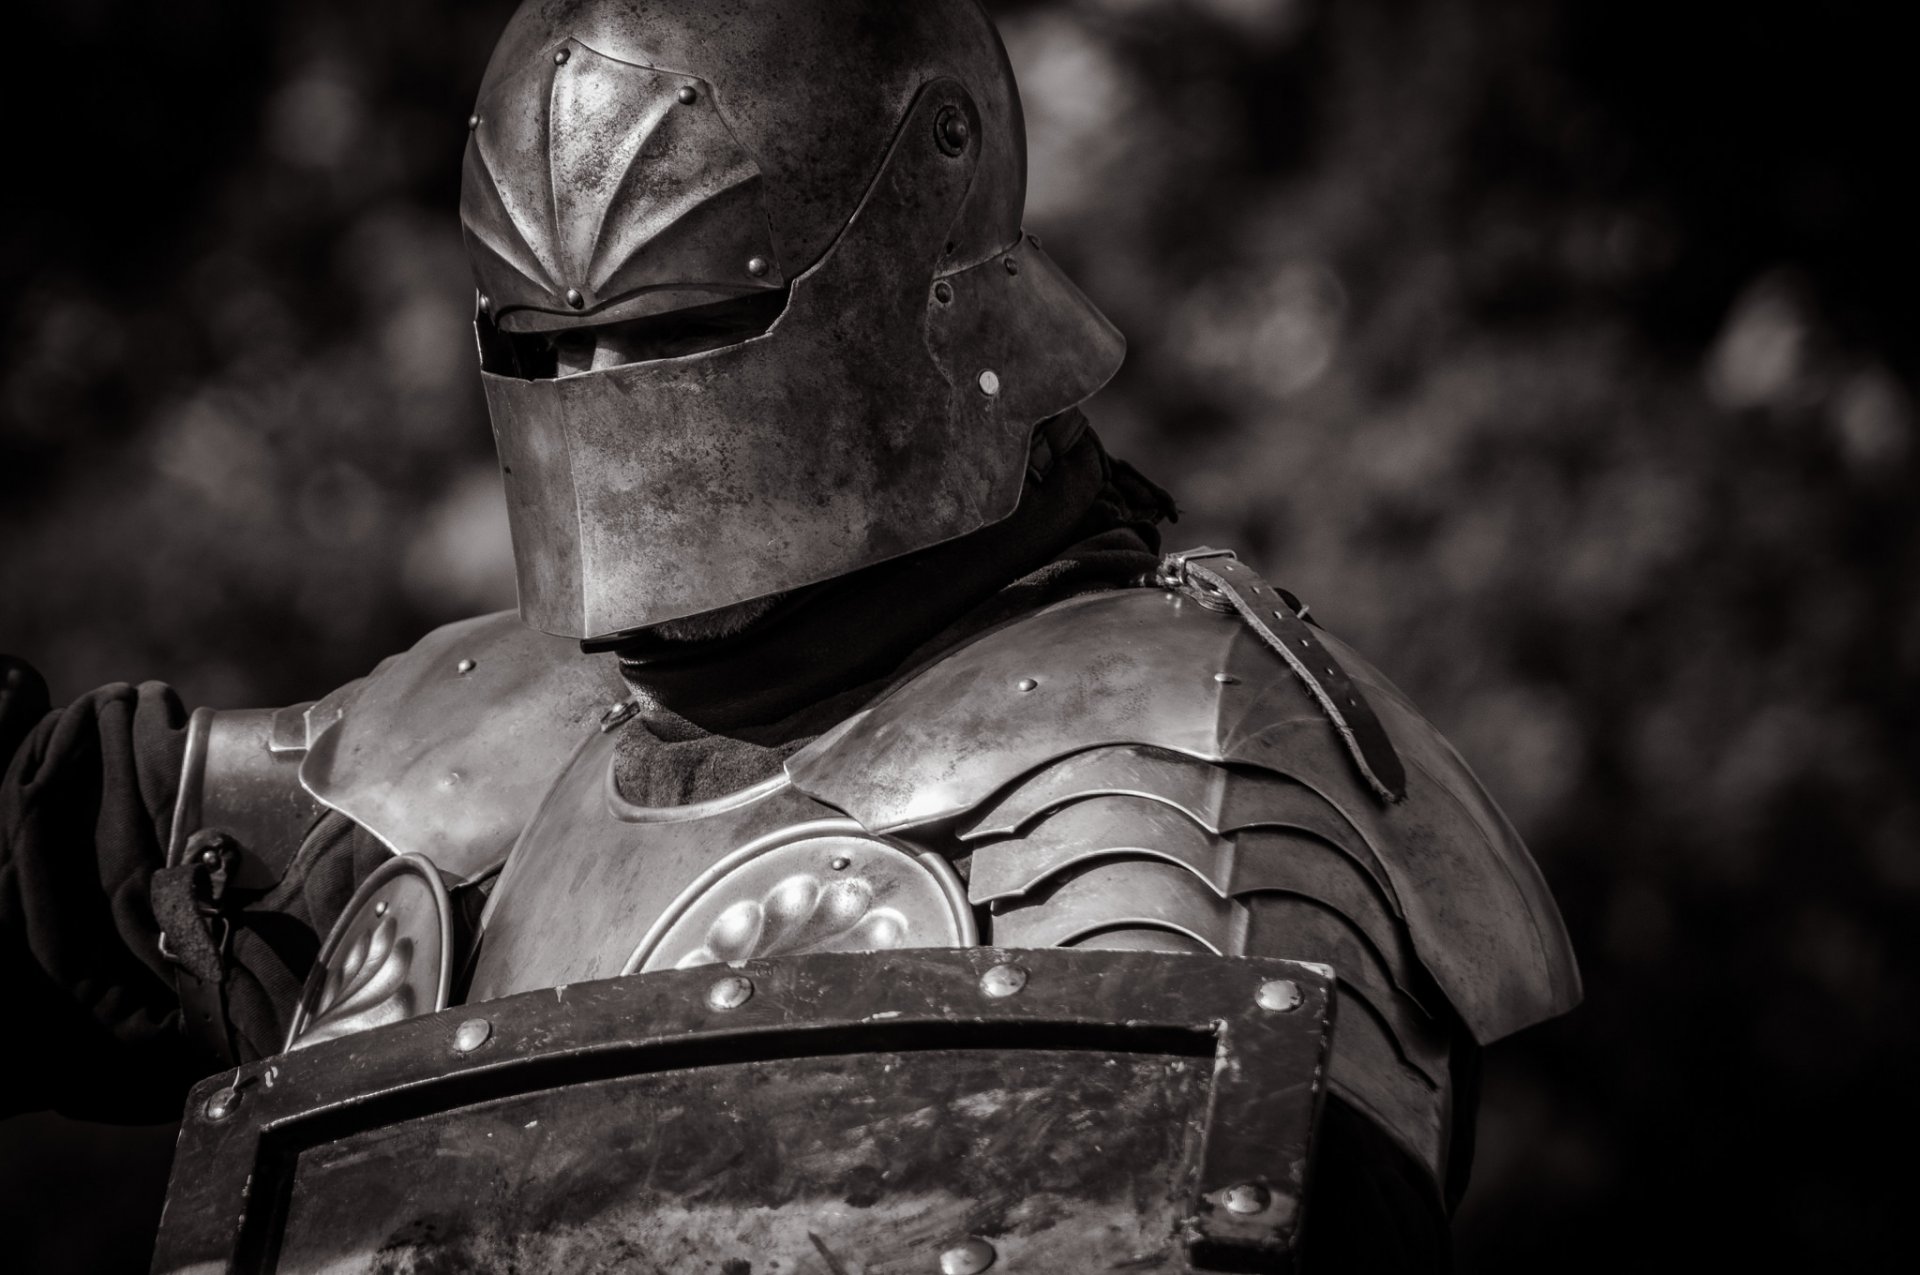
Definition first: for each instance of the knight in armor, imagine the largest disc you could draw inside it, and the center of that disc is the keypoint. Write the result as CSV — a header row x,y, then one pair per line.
x,y
839,633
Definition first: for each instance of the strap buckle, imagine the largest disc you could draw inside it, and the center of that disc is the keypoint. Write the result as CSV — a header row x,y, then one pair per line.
x,y
1174,573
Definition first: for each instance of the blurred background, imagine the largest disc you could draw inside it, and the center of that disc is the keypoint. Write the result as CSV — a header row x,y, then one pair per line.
x,y
1560,354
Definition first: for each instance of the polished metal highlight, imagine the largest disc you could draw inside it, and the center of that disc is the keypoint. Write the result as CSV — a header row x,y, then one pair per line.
x,y
969,1257
221,1104
1003,980
729,993
819,887
389,957
471,1034
1281,995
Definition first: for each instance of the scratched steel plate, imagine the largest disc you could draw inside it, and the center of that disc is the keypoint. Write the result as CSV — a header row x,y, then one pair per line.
x,y
877,1164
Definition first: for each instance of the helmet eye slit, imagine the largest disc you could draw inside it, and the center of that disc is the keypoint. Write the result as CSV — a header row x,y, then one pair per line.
x,y
571,351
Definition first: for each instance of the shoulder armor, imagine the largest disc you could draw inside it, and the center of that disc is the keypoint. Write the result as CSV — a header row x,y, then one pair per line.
x,y
445,750
240,785
1013,724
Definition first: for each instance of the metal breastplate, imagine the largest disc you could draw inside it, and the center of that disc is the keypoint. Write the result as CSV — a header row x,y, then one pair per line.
x,y
599,887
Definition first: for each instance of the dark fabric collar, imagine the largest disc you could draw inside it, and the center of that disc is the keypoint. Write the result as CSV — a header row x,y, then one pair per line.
x,y
718,716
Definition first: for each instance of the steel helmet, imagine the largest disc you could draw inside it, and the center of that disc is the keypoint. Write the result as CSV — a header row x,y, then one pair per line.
x,y
755,306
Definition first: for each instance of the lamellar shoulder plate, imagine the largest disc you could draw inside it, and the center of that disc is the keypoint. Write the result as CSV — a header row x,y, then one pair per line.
x,y
1147,699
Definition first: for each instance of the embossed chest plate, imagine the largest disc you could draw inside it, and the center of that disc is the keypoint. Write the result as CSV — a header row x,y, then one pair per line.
x,y
598,886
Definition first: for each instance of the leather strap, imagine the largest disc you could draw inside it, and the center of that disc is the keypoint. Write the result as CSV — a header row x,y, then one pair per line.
x,y
1217,579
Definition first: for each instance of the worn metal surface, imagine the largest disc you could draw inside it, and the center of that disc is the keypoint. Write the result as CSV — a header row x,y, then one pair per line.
x,y
1122,1109
592,188
1137,668
451,764
595,883
388,957
241,778
818,887
813,91
652,490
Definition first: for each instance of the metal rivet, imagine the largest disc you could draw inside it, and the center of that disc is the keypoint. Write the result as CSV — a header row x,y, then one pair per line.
x,y
1003,980
687,95
486,304
1025,684
950,130
222,1103
465,666
1247,1197
560,56
471,1034
841,863
756,266
730,992
473,122
210,854
989,382
1225,679
574,298
617,714
943,292
970,1258
1013,267
1281,995
380,908
1034,240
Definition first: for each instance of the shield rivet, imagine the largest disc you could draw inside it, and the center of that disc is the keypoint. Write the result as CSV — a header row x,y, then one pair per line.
x,y
560,56
574,298
730,992
943,292
1013,267
687,95
756,266
1225,679
989,382
473,122
221,1105
1003,980
1281,995
1247,1198
465,666
470,1035
841,863
970,1258
1025,684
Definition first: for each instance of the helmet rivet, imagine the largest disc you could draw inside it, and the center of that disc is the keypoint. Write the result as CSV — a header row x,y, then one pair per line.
x,y
730,992
989,382
465,666
943,292
486,304
950,130
1013,267
473,122
1025,684
560,56
1034,240
574,298
687,95
756,266
221,1105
